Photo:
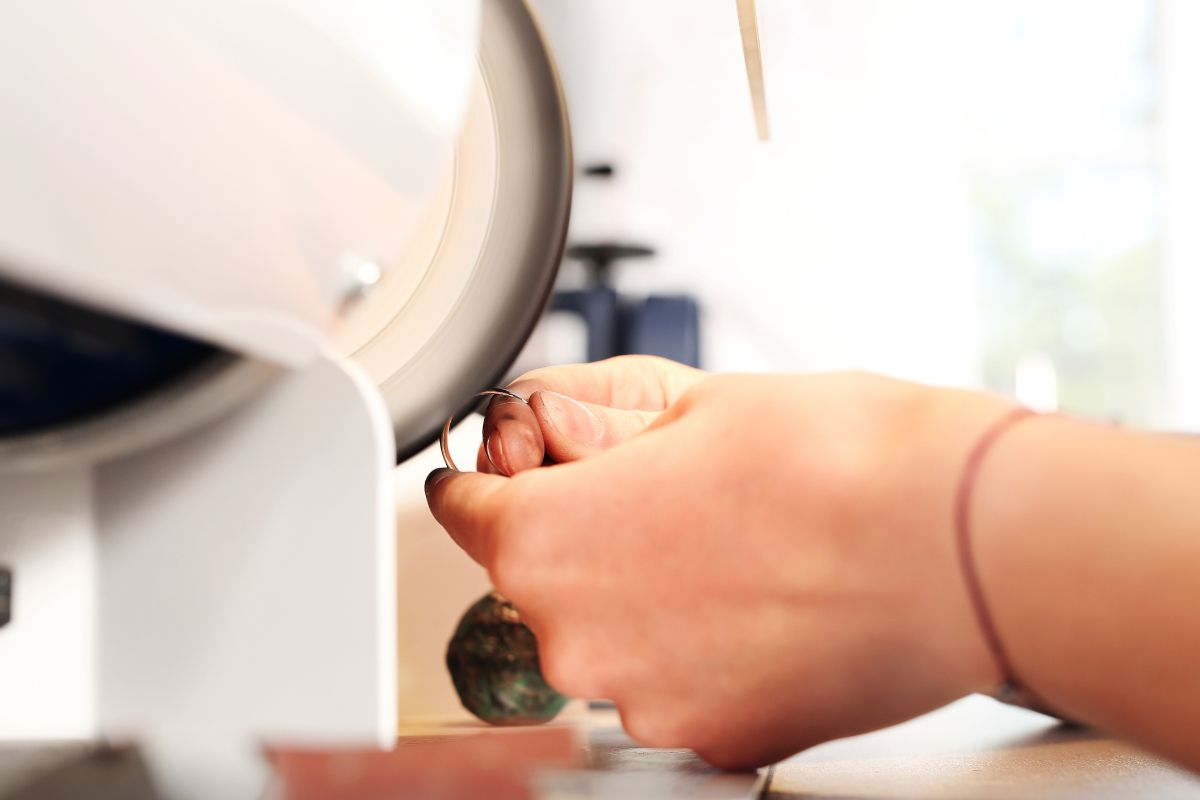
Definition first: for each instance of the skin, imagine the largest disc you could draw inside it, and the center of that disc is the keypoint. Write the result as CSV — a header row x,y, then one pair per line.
x,y
752,564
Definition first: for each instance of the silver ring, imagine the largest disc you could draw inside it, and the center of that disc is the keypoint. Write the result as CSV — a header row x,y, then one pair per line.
x,y
494,392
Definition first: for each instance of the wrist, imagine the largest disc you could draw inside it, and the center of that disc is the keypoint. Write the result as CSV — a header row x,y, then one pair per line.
x,y
1087,549
1029,545
950,426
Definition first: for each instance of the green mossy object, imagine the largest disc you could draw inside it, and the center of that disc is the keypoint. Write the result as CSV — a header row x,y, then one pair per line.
x,y
493,661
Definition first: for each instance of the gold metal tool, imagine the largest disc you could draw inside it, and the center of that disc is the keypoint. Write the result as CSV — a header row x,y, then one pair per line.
x,y
752,49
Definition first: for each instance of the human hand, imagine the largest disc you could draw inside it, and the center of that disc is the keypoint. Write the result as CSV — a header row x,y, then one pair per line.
x,y
765,564
578,410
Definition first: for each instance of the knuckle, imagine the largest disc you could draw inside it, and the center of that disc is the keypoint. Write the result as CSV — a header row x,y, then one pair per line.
x,y
554,664
536,380
631,360
654,727
738,749
568,667
724,758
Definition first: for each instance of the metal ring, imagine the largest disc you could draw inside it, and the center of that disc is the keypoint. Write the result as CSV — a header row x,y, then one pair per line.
x,y
494,392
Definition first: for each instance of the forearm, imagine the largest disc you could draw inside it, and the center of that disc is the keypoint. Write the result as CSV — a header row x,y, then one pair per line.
x,y
1087,542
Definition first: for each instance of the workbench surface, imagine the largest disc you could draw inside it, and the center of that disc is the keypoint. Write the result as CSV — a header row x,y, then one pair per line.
x,y
977,748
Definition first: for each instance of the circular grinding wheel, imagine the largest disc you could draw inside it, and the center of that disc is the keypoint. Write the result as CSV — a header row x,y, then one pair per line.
x,y
452,315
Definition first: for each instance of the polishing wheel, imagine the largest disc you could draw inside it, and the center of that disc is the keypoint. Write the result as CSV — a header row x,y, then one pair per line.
x,y
452,314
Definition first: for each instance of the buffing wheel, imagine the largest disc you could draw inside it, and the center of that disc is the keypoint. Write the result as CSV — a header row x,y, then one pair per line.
x,y
452,315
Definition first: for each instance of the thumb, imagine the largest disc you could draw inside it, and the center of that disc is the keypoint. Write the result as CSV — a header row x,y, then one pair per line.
x,y
573,430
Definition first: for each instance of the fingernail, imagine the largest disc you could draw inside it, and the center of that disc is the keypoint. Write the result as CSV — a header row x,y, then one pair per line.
x,y
495,452
436,477
572,418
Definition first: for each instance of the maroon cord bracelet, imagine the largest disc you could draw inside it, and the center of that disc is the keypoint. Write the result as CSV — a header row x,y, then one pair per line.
x,y
1010,689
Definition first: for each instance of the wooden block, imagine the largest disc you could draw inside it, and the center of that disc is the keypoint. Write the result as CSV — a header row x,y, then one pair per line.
x,y
498,764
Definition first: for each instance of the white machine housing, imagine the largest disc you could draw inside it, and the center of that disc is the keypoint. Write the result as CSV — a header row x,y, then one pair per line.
x,y
222,168
232,170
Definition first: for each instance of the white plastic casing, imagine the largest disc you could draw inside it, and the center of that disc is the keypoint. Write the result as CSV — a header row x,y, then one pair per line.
x,y
219,167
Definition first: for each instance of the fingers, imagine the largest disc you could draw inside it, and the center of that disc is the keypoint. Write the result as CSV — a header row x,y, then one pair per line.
x,y
632,382
517,437
512,438
572,430
466,504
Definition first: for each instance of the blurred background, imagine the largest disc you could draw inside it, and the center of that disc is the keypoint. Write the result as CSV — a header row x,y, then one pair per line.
x,y
1000,193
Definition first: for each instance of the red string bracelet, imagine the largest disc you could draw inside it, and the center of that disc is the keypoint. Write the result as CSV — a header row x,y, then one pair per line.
x,y
1010,689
